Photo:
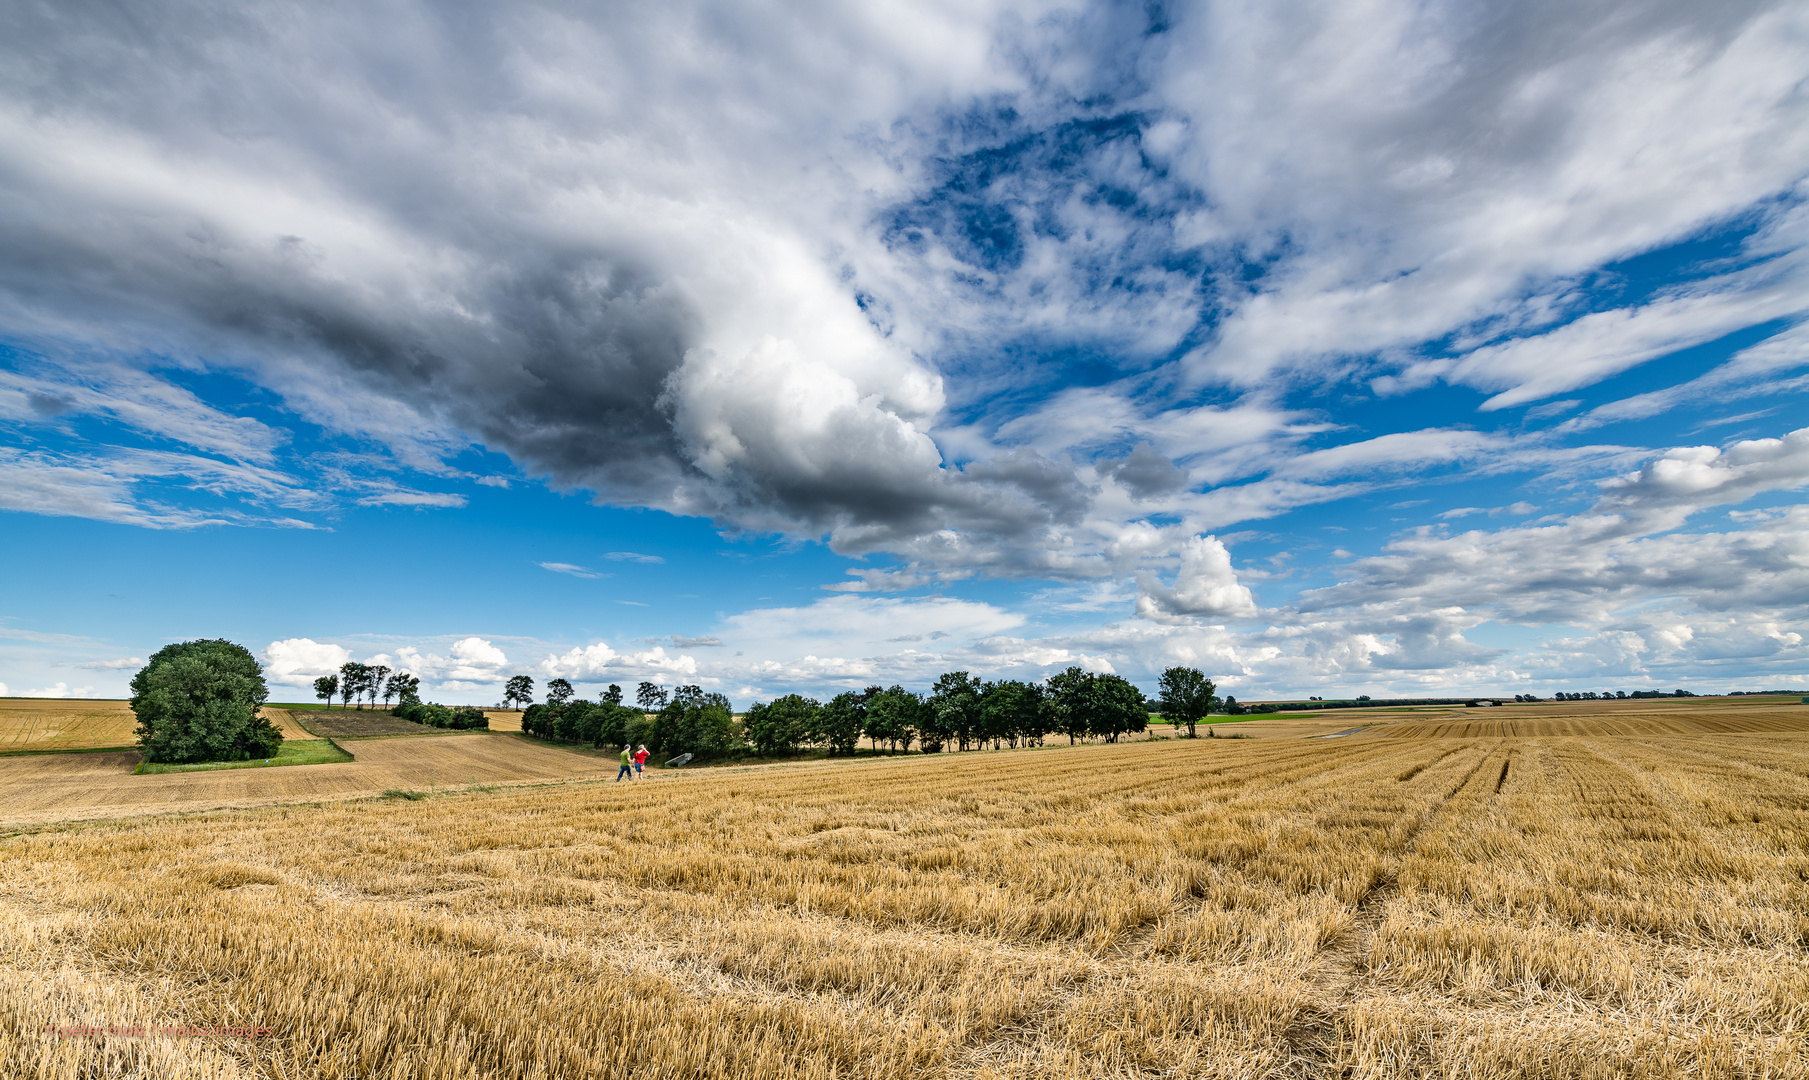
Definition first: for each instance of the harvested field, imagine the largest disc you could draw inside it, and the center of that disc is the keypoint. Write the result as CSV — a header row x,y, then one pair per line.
x,y
1697,721
53,724
504,719
64,724
1486,908
285,723
53,787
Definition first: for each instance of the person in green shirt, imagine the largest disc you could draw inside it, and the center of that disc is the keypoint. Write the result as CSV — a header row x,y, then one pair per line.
x,y
627,764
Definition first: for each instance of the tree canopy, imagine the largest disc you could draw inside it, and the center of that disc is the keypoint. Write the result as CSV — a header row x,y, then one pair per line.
x,y
1187,697
199,701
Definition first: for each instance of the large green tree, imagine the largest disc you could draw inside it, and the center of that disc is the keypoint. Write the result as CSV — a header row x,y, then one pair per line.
x,y
896,716
1187,697
518,690
199,701
954,711
558,691
1014,711
693,722
840,722
782,725
1090,704
325,687
1115,708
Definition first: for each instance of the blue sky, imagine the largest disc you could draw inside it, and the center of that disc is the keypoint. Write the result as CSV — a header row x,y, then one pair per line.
x,y
1388,348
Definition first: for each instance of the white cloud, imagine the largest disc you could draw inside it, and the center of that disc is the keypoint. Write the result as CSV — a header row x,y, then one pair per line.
x,y
298,661
61,690
124,663
598,662
474,662
1205,586
1405,449
1598,345
139,399
1690,478
1350,132
108,488
405,497
632,556
570,568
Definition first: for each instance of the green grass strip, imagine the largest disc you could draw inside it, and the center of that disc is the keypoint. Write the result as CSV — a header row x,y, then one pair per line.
x,y
292,752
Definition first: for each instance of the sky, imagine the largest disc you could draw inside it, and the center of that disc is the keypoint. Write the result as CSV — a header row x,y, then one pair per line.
x,y
1408,349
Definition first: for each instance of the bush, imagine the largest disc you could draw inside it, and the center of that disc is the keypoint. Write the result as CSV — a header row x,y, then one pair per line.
x,y
198,701
469,718
462,718
594,723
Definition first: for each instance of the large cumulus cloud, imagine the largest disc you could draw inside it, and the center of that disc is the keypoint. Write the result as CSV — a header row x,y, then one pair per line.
x,y
782,265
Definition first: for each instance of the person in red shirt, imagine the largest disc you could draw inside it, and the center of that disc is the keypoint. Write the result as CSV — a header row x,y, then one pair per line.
x,y
640,759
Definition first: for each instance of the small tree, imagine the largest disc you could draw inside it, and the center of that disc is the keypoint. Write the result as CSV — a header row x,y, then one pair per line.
x,y
403,686
199,701
377,680
1187,697
351,681
611,696
519,690
325,687
558,692
955,712
650,698
1067,698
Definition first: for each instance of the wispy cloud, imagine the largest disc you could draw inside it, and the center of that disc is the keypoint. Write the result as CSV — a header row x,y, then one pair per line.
x,y
119,664
632,556
571,569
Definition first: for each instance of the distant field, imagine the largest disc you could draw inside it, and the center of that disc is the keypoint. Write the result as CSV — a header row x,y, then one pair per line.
x,y
64,724
1702,720
51,787
1480,908
39,724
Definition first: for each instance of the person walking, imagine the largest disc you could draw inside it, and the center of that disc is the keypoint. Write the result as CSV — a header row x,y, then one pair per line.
x,y
640,759
627,768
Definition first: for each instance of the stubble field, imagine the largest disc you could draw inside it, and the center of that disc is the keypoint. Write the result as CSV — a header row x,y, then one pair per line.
x,y
1580,906
57,724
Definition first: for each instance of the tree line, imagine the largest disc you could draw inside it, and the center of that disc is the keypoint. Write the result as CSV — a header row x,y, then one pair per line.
x,y
368,681
1613,695
959,712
